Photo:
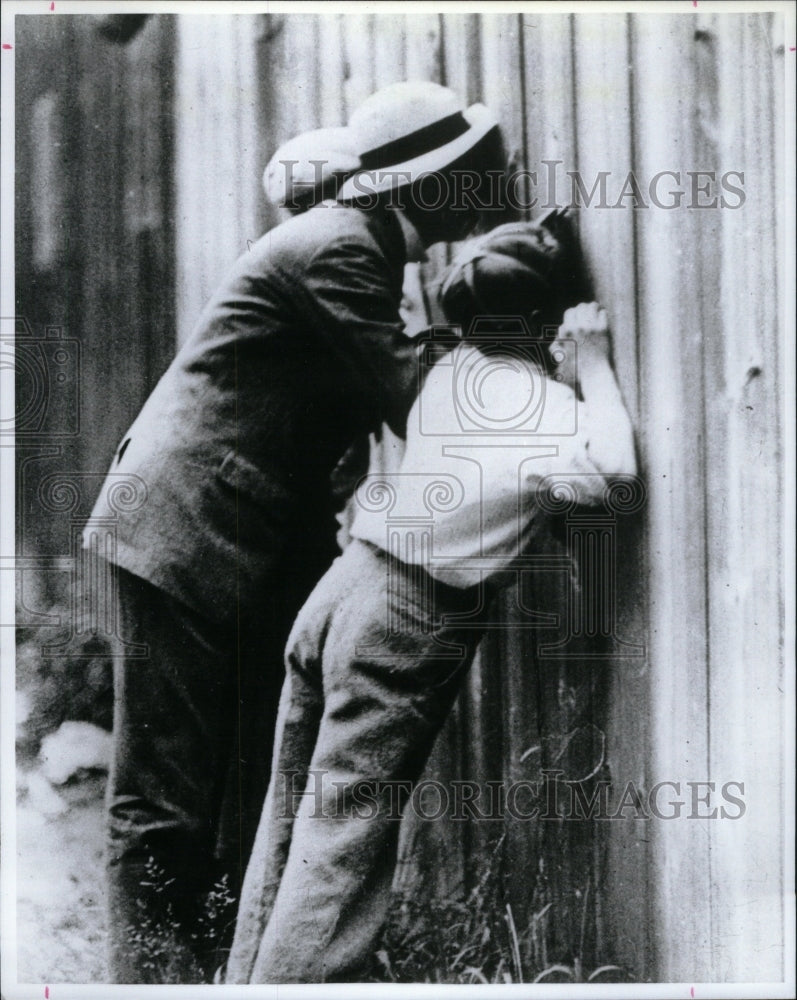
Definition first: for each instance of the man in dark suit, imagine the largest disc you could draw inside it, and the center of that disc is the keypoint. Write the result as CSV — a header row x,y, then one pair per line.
x,y
298,353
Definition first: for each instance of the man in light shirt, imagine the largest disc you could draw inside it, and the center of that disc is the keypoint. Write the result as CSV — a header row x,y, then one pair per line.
x,y
377,654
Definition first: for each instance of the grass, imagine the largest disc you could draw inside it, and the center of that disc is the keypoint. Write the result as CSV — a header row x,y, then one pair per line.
x,y
476,939
479,937
163,950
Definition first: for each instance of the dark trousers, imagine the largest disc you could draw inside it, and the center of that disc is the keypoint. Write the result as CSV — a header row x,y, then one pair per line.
x,y
193,730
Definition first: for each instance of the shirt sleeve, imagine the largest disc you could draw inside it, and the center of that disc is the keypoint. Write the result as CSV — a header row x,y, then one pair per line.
x,y
566,425
357,307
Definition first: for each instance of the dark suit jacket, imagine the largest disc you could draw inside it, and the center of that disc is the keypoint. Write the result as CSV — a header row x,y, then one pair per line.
x,y
300,351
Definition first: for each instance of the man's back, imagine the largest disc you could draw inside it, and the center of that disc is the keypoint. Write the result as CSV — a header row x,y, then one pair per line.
x,y
299,351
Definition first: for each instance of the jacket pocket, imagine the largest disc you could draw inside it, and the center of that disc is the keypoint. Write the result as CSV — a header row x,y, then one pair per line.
x,y
249,479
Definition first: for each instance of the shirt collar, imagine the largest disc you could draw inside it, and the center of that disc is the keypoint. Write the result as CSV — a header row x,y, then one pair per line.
x,y
415,248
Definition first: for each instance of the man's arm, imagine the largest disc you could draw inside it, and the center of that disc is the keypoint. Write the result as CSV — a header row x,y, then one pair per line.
x,y
357,307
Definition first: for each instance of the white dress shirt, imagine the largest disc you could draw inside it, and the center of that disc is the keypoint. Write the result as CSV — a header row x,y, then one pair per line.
x,y
461,497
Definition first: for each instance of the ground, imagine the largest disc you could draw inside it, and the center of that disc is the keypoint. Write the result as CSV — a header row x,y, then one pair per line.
x,y
61,925
61,909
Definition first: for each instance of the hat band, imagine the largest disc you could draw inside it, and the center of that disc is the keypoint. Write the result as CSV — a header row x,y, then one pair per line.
x,y
423,140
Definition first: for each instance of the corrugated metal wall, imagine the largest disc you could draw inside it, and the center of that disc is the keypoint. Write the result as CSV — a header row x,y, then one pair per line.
x,y
696,302
219,154
94,263
693,295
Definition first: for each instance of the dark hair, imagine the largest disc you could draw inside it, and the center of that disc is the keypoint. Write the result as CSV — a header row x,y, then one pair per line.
x,y
518,269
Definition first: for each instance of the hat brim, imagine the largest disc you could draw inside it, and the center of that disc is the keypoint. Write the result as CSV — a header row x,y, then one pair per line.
x,y
367,182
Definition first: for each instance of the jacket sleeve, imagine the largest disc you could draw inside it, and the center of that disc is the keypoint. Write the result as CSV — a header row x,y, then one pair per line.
x,y
357,308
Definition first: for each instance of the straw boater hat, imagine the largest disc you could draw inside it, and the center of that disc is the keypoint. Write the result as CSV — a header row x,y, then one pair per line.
x,y
309,167
416,128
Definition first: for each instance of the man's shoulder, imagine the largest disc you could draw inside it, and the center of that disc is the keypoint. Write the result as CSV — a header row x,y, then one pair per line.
x,y
326,222
330,228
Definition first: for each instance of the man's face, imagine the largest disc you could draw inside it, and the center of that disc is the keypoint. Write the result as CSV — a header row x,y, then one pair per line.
x,y
462,224
470,183
444,225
